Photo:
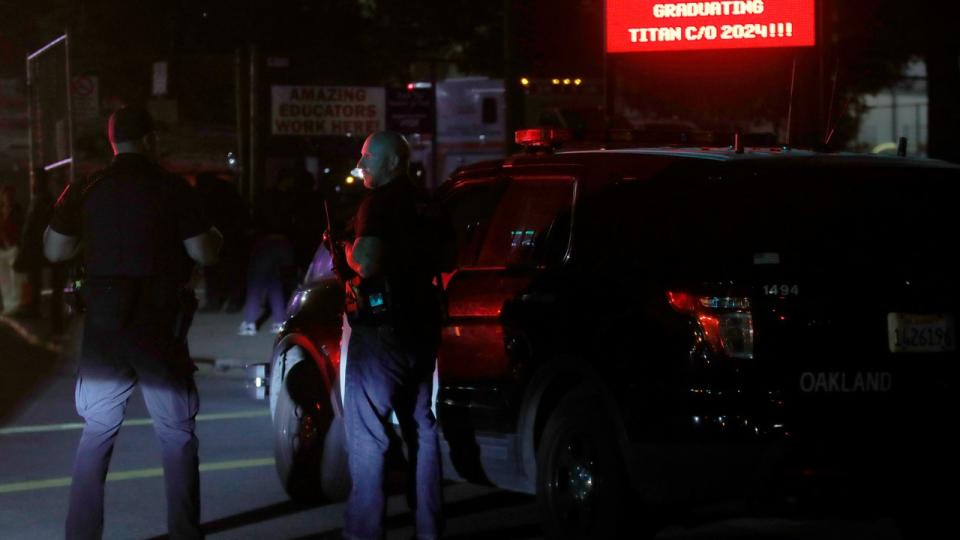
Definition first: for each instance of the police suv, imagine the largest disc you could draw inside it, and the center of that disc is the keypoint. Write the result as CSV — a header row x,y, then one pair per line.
x,y
630,328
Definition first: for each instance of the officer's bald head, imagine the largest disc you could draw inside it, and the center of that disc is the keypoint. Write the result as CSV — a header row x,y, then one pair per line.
x,y
385,156
393,143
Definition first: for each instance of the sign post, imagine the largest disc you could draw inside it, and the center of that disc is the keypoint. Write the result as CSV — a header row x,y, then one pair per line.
x,y
84,91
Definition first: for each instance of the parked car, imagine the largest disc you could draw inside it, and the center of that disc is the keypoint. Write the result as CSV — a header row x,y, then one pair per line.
x,y
638,327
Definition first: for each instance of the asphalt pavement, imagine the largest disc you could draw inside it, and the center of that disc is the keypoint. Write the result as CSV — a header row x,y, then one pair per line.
x,y
241,495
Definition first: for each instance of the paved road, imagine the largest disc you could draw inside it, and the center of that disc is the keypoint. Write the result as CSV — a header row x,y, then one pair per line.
x,y
39,430
241,495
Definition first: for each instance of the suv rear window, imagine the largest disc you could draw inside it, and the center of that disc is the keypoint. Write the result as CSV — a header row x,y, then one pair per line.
x,y
823,217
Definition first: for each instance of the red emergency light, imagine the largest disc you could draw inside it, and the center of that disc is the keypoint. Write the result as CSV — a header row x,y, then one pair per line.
x,y
657,25
541,137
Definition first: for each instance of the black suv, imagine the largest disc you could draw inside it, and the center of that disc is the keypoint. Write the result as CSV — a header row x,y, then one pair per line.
x,y
630,328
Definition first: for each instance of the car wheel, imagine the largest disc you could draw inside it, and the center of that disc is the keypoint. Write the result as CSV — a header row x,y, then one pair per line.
x,y
301,422
581,489
281,363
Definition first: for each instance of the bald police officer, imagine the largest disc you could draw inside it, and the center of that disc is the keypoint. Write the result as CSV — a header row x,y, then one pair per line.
x,y
393,343
140,229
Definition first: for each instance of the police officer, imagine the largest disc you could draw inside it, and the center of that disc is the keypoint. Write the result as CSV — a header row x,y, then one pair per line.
x,y
393,343
139,227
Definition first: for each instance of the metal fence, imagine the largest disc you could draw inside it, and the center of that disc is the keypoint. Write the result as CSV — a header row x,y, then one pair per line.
x,y
51,124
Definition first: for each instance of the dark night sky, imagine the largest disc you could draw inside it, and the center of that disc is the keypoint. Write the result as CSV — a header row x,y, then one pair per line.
x,y
334,41
390,41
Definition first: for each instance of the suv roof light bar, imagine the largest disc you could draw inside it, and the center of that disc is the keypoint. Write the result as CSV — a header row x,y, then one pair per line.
x,y
541,138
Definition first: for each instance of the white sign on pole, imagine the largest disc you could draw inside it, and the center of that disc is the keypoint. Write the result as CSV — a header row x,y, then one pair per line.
x,y
85,93
327,110
159,78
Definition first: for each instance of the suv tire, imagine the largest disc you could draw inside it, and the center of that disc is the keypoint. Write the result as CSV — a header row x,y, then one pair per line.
x,y
581,488
301,422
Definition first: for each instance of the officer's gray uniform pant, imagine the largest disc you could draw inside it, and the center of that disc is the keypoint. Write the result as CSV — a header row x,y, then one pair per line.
x,y
382,376
102,391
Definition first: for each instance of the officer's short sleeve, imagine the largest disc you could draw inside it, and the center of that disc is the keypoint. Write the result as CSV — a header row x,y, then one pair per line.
x,y
66,218
191,220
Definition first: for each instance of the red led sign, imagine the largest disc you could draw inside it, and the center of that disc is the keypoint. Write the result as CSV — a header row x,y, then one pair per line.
x,y
651,25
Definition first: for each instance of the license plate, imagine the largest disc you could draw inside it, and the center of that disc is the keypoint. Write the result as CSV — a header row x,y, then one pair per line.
x,y
912,333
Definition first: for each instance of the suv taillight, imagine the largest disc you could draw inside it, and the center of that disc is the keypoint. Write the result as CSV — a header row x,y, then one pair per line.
x,y
726,322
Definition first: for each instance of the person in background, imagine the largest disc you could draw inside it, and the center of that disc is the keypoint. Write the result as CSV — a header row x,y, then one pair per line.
x,y
30,260
226,209
11,220
309,223
271,263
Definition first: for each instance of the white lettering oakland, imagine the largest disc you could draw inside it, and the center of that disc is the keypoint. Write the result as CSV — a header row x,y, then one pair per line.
x,y
839,381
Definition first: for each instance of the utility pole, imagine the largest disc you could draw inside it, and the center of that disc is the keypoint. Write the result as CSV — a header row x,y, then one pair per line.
x,y
255,153
241,106
434,173
512,93
821,51
606,74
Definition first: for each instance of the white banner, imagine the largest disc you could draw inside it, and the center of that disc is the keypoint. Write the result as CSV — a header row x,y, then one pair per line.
x,y
327,110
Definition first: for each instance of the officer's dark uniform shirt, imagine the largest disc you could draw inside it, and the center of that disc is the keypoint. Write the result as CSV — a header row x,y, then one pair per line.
x,y
391,214
133,217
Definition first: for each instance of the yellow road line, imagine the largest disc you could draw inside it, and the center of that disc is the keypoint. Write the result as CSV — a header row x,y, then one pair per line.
x,y
43,428
34,485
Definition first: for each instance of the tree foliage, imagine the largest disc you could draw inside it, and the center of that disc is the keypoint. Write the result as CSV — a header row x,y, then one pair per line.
x,y
874,39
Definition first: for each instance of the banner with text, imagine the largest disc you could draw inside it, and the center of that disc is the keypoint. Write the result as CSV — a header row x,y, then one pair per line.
x,y
327,110
650,25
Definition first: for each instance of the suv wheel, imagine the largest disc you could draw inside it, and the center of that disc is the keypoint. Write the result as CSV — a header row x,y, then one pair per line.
x,y
580,476
301,422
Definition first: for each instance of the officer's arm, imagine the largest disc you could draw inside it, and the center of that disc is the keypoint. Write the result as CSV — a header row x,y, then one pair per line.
x,y
59,247
365,255
205,247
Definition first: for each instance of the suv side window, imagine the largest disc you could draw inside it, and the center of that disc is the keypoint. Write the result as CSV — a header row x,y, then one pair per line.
x,y
469,207
523,220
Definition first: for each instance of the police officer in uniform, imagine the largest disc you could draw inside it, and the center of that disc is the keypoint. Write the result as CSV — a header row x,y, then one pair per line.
x,y
395,328
140,229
